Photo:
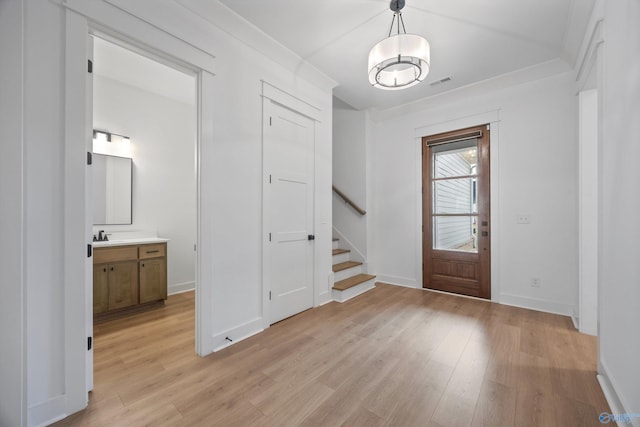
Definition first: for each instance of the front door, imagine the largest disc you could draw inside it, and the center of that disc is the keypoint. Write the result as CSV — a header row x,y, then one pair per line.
x,y
456,217
288,209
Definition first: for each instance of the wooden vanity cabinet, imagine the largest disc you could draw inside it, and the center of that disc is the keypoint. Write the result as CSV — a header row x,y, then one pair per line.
x,y
153,272
115,286
128,278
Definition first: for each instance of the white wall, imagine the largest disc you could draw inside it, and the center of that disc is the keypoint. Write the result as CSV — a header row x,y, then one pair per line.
x,y
234,162
12,409
619,269
537,134
588,208
163,143
44,231
350,176
236,165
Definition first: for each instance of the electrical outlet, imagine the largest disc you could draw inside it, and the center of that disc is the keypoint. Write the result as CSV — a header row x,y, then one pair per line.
x,y
535,282
523,219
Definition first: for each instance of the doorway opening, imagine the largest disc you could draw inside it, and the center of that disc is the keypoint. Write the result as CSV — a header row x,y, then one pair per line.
x,y
456,212
144,111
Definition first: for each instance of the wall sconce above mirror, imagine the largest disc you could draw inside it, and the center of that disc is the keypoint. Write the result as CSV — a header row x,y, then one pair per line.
x,y
113,144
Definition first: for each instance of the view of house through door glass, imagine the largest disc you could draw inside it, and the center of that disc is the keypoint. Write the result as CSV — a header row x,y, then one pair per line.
x,y
456,212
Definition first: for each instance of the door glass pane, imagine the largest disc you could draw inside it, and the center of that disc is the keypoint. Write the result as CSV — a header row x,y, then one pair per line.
x,y
455,196
457,233
455,159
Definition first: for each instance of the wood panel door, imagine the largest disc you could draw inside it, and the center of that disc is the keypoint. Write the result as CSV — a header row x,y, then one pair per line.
x,y
289,192
456,212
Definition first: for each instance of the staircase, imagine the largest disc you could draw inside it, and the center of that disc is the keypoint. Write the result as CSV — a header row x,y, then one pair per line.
x,y
349,280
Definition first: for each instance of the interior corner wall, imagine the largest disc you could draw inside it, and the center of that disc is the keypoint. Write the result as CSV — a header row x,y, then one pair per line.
x,y
619,270
349,175
163,141
234,161
12,410
537,175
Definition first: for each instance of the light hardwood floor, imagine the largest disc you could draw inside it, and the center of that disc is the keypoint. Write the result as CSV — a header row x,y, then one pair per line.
x,y
392,356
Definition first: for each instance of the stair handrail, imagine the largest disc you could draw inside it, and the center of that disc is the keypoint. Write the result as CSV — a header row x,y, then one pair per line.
x,y
349,201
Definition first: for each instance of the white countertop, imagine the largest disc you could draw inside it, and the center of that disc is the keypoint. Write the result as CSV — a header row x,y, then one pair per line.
x,y
132,241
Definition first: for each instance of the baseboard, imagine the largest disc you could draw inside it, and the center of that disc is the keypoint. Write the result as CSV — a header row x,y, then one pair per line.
x,y
616,404
398,281
237,334
537,304
575,318
181,287
576,322
324,299
47,412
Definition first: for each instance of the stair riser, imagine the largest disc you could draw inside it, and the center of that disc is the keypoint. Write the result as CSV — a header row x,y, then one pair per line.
x,y
335,244
342,296
341,275
337,259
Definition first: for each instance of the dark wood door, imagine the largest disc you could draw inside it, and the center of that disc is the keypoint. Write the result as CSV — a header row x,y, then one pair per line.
x,y
456,212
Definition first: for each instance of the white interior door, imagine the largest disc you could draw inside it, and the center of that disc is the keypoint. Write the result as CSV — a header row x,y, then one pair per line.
x,y
288,210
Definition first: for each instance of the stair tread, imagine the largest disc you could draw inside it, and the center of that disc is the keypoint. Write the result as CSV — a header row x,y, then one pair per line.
x,y
344,265
339,251
352,281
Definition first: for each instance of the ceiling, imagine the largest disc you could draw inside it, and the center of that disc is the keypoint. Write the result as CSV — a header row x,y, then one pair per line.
x,y
471,40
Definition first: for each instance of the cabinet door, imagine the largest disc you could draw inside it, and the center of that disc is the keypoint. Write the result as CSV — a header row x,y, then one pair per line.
x,y
100,288
123,284
153,279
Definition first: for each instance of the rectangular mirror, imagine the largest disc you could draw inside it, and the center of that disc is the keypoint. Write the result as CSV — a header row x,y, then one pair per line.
x,y
111,190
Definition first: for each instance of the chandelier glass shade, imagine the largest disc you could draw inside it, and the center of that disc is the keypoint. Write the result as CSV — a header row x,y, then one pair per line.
x,y
399,61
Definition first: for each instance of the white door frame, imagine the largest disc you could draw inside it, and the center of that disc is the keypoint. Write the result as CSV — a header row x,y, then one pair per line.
x,y
278,96
84,18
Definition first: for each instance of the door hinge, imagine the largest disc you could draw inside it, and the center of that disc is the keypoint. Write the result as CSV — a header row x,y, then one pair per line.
x,y
269,236
270,120
89,343
195,247
90,66
89,158
89,250
269,295
269,178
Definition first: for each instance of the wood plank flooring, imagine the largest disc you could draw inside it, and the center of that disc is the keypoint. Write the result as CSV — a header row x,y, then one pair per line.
x,y
390,357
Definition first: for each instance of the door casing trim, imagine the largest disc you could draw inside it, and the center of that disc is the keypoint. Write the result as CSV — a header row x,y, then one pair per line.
x,y
452,124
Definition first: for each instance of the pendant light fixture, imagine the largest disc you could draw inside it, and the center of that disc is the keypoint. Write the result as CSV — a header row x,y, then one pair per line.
x,y
401,60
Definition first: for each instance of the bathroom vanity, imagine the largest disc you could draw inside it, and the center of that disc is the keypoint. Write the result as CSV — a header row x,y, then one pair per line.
x,y
128,276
